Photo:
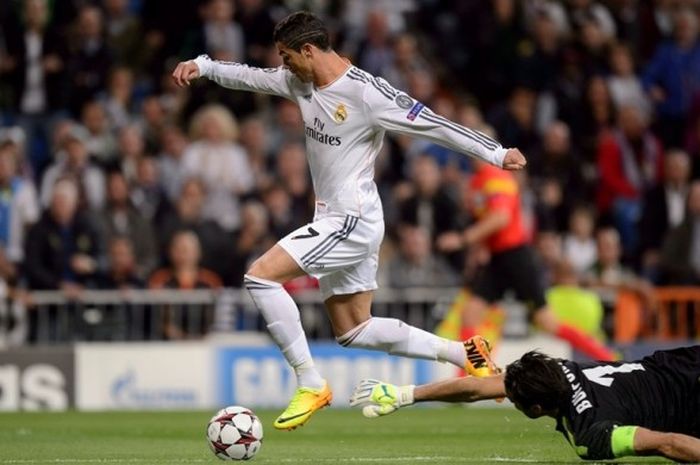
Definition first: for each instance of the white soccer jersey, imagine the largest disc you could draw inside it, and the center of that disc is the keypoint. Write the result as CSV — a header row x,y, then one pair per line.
x,y
345,123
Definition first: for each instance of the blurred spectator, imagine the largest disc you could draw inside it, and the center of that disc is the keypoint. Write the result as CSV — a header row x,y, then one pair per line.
x,y
278,203
90,58
664,208
502,44
76,165
19,207
153,120
558,160
254,142
693,146
288,126
132,147
592,46
101,143
539,56
680,253
124,34
375,51
624,84
219,35
514,120
188,215
293,174
35,67
422,85
551,211
252,240
579,245
61,249
174,143
120,219
257,24
147,193
583,11
120,272
673,76
597,117
630,160
185,272
608,275
416,265
220,162
428,206
548,246
405,60
118,95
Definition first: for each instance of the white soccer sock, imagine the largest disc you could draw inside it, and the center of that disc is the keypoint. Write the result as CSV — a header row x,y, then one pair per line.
x,y
282,317
396,337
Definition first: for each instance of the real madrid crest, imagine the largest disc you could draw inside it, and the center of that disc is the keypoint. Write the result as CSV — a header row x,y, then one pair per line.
x,y
341,113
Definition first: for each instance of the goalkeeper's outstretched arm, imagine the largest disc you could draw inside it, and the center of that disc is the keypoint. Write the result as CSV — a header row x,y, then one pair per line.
x,y
378,398
467,389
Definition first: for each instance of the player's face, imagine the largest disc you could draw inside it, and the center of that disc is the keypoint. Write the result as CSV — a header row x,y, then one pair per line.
x,y
534,411
296,62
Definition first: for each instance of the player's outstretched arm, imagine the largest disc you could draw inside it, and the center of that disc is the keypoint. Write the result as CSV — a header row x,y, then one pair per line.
x,y
274,81
395,111
467,389
378,398
678,447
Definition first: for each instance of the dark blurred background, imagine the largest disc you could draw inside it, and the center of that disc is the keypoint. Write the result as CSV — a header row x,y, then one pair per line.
x,y
111,177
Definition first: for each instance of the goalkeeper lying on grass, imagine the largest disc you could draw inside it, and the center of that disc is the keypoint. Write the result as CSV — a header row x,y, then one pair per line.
x,y
605,410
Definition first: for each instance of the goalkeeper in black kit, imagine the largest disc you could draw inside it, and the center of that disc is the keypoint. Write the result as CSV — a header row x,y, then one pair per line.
x,y
604,410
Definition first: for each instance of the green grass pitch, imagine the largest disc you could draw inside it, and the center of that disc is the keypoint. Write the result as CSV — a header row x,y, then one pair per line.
x,y
454,435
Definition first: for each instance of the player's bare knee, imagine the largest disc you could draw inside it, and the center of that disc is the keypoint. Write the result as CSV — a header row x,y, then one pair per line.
x,y
346,336
261,268
256,269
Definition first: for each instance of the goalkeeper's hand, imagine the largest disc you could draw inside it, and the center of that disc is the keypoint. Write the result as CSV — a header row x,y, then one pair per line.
x,y
378,398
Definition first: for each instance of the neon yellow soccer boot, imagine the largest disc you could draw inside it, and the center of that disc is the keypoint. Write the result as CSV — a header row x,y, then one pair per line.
x,y
304,403
479,361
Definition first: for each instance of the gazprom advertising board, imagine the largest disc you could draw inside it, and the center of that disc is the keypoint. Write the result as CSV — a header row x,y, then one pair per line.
x,y
259,376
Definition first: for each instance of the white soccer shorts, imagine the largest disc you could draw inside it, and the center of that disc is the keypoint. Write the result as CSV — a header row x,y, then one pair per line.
x,y
341,251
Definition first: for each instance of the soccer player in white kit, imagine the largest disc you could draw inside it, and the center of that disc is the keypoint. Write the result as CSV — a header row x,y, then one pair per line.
x,y
346,112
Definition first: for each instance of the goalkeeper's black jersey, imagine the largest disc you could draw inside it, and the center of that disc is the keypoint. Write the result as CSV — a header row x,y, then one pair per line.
x,y
660,392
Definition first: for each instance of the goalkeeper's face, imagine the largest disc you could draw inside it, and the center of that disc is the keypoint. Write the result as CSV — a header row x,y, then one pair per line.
x,y
299,63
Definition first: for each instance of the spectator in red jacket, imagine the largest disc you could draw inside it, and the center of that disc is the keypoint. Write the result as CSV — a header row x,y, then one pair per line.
x,y
630,160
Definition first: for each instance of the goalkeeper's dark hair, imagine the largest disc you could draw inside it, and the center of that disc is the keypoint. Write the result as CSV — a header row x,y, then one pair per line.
x,y
302,28
537,379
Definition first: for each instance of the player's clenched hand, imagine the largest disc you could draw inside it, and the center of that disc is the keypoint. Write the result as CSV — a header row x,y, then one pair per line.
x,y
184,72
514,160
378,398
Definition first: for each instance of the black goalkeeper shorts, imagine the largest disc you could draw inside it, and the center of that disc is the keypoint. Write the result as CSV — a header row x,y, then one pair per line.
x,y
514,269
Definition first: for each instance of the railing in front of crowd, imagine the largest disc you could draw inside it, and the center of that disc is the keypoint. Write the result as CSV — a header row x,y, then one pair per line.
x,y
50,317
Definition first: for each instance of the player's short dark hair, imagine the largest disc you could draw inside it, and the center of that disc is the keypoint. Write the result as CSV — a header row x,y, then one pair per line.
x,y
302,28
537,379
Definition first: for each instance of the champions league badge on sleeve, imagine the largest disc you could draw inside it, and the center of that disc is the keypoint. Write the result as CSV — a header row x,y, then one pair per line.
x,y
415,111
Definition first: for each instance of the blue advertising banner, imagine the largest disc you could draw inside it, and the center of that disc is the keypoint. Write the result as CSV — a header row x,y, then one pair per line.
x,y
260,377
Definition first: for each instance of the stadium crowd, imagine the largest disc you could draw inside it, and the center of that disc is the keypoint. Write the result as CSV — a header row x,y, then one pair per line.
x,y
113,177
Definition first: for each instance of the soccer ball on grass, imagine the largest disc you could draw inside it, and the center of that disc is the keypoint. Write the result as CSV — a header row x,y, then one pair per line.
x,y
235,433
